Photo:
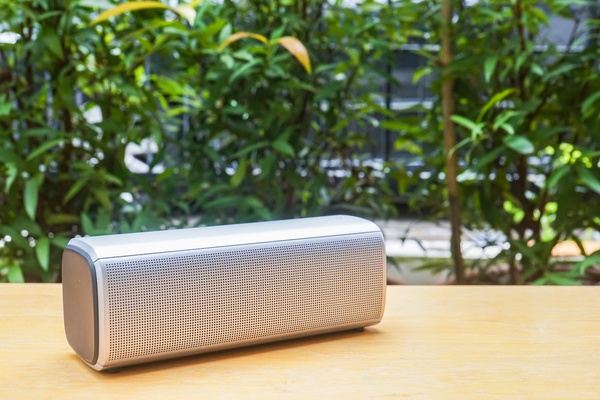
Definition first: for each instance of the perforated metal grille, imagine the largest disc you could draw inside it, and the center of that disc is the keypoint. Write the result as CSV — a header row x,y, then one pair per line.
x,y
189,301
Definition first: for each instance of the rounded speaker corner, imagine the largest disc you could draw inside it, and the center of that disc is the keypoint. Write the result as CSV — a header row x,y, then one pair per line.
x,y
80,304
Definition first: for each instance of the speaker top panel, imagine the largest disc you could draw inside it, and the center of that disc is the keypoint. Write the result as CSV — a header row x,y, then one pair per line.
x,y
130,244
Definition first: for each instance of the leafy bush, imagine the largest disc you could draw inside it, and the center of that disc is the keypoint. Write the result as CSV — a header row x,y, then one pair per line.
x,y
243,132
264,139
56,165
530,131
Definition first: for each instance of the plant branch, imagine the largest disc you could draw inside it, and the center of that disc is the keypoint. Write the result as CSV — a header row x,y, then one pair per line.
x,y
446,57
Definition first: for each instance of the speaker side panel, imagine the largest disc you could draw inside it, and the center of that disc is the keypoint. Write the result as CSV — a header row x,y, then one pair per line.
x,y
167,305
80,304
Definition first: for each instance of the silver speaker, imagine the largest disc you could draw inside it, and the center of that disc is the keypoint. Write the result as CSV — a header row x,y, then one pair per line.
x,y
142,297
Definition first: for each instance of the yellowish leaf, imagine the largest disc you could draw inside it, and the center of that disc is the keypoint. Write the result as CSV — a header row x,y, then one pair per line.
x,y
297,49
185,11
126,7
242,35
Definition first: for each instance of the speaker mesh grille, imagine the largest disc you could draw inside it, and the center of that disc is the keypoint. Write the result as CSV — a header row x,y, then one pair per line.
x,y
167,304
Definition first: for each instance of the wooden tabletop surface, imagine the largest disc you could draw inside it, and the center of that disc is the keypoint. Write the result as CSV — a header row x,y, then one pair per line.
x,y
435,342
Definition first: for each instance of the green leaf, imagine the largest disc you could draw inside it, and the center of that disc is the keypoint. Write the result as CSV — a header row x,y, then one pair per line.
x,y
225,33
589,179
390,78
521,58
8,156
61,218
60,242
277,33
503,118
405,144
498,97
460,144
475,128
591,153
102,197
11,175
343,123
244,70
329,91
50,14
43,148
556,176
421,72
211,153
267,166
559,279
87,224
42,252
519,143
51,40
112,178
487,158
14,233
586,106
166,174
30,198
508,128
172,86
250,149
284,148
559,71
75,189
227,60
527,251
5,108
99,4
240,173
137,34
224,202
541,281
43,131
255,204
399,126
15,275
489,66
590,261
540,14
537,69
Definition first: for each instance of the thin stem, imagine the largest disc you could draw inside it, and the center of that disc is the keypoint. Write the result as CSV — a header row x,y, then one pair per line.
x,y
450,142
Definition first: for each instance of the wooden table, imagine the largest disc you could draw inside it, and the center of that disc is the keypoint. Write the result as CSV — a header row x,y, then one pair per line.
x,y
434,343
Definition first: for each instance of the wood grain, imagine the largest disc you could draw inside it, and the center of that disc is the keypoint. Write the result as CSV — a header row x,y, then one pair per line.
x,y
447,342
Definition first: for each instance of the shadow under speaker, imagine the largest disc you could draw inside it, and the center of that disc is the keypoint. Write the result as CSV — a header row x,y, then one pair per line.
x,y
142,297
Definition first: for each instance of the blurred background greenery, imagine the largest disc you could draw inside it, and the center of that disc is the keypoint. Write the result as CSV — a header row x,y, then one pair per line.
x,y
147,120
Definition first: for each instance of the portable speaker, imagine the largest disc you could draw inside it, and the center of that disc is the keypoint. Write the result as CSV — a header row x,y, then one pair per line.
x,y
141,297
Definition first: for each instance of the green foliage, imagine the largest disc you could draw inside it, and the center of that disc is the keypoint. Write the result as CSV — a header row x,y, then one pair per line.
x,y
243,130
274,125
528,120
54,164
260,128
